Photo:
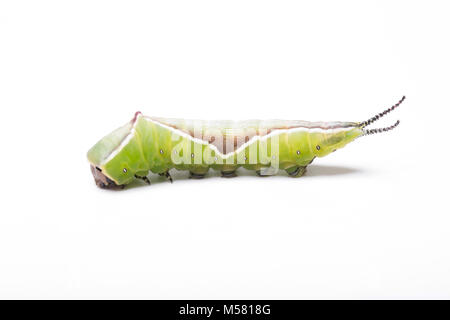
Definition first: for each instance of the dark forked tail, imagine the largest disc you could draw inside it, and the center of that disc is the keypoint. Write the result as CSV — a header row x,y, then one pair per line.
x,y
378,116
379,130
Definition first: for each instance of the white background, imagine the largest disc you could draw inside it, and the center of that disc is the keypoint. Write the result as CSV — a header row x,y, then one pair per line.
x,y
369,221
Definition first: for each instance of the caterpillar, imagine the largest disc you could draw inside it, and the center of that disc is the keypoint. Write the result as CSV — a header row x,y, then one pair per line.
x,y
152,144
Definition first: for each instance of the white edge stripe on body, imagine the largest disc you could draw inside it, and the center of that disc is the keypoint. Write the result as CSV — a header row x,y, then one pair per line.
x,y
121,145
222,155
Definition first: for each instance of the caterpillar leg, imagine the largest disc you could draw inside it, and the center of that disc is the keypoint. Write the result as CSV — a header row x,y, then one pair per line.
x,y
266,171
143,178
198,173
259,173
167,175
194,175
228,174
296,172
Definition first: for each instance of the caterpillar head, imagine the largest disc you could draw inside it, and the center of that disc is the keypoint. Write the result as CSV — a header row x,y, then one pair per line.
x,y
103,181
110,158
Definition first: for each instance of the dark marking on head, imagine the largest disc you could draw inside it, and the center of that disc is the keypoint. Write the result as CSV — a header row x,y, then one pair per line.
x,y
102,181
98,169
318,147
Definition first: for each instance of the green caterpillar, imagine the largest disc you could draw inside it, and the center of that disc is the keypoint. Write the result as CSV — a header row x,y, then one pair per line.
x,y
157,144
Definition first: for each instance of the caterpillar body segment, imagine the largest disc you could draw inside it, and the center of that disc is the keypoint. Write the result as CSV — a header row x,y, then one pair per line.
x,y
149,144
